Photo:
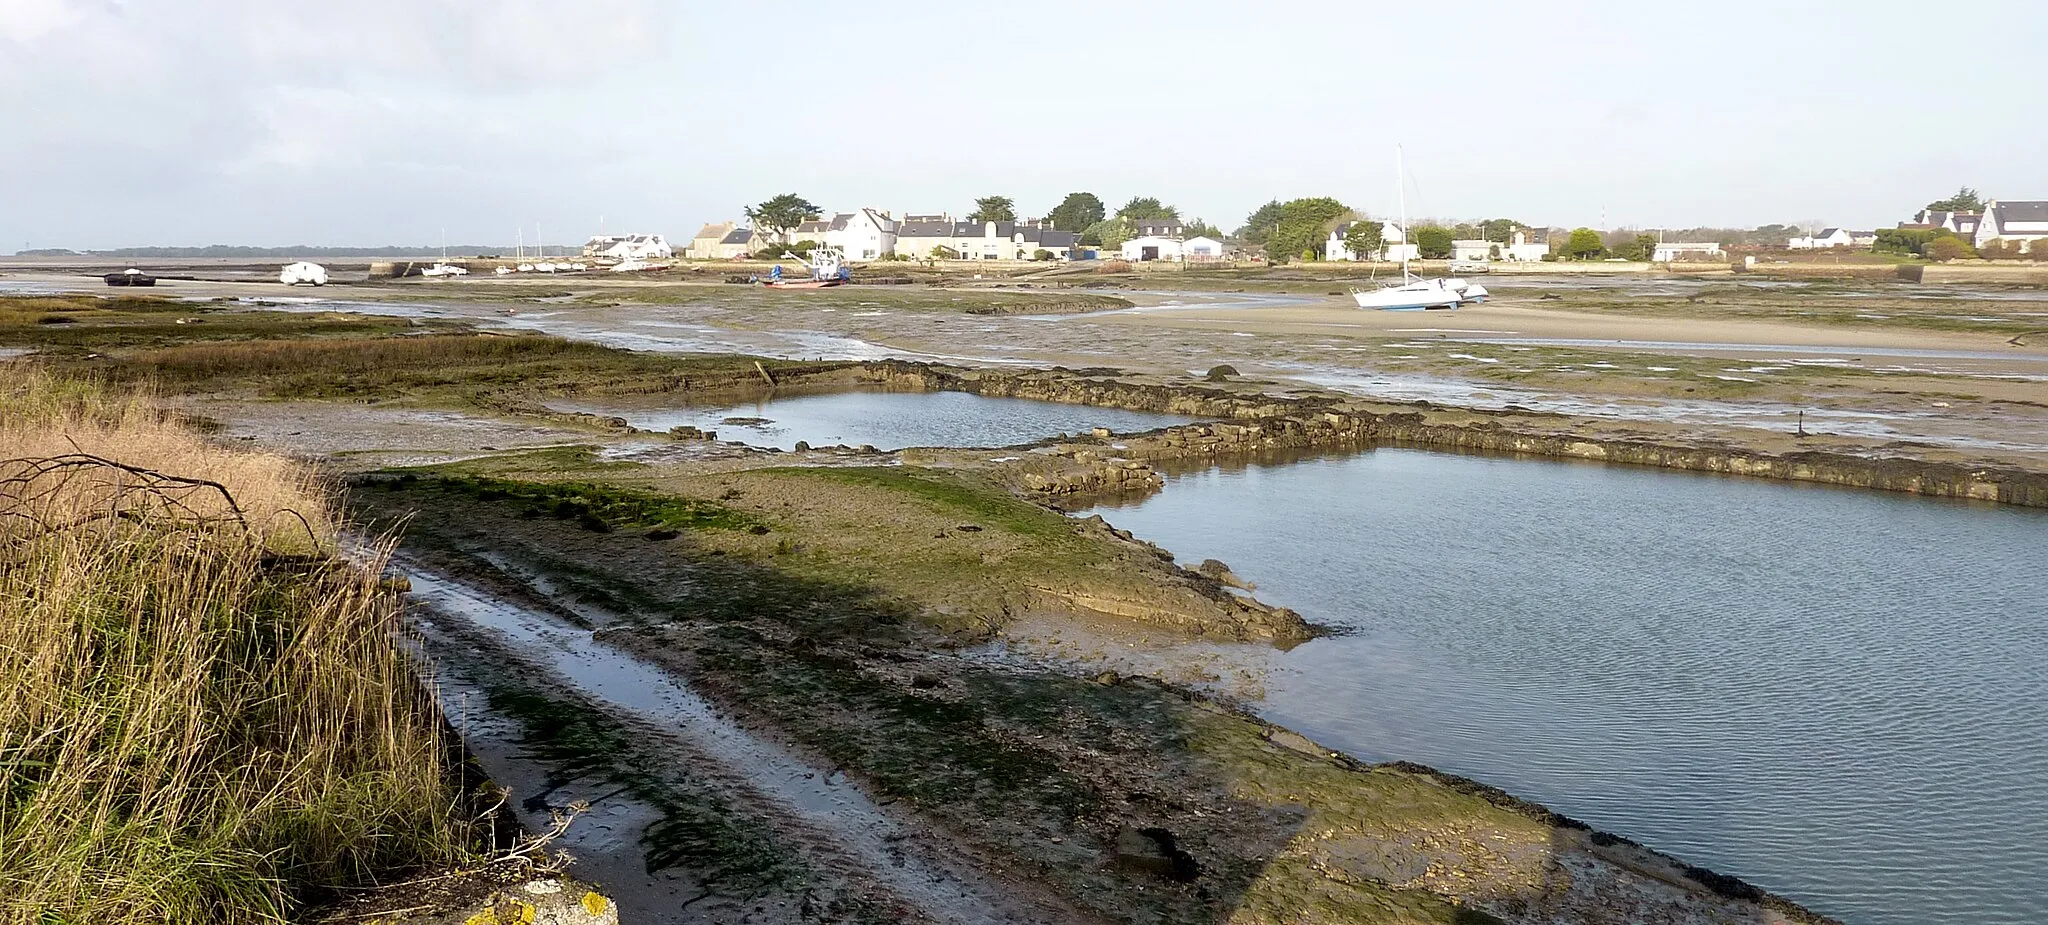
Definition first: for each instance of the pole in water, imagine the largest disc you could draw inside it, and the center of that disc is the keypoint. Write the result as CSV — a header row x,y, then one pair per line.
x,y
1802,422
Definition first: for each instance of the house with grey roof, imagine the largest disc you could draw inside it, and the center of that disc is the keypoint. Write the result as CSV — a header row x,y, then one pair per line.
x,y
2020,220
705,245
1023,240
737,243
1964,224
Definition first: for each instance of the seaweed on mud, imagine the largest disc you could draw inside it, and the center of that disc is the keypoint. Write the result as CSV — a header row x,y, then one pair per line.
x,y
698,829
598,507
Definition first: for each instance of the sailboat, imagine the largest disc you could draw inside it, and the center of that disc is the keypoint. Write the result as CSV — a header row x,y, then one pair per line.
x,y
1412,293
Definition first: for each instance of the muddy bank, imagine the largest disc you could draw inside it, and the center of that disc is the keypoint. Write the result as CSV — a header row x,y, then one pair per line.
x,y
1260,422
1059,796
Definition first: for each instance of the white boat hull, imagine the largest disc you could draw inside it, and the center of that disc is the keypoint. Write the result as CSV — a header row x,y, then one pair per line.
x,y
1415,296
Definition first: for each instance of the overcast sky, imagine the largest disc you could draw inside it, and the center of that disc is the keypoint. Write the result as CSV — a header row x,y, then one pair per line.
x,y
386,121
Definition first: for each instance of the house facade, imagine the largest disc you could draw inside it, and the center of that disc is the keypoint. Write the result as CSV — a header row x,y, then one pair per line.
x,y
705,245
862,236
1964,224
737,243
917,236
1669,251
1153,247
2023,221
1394,244
1828,237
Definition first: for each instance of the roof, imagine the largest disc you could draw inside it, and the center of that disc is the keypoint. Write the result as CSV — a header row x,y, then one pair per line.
x,y
2035,210
924,229
811,225
1050,237
980,229
738,236
1156,226
714,230
1830,232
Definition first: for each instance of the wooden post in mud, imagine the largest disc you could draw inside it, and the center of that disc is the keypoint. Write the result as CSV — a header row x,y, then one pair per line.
x,y
764,373
1802,418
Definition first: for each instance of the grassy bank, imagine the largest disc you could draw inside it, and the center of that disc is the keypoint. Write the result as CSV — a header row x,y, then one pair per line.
x,y
206,718
71,325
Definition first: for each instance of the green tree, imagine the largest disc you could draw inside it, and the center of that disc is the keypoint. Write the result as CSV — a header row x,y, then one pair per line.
x,y
1293,241
778,215
1318,210
993,209
1078,210
1584,244
1433,242
1965,200
1147,207
1111,233
942,252
1260,224
1202,229
1362,238
1499,230
1945,248
1637,248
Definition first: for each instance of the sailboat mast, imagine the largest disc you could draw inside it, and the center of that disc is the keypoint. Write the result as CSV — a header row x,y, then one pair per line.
x,y
1401,182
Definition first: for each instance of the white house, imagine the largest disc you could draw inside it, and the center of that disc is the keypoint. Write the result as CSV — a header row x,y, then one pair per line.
x,y
1153,247
919,235
1393,244
1830,237
1668,251
1201,247
1519,247
863,235
1469,249
2024,221
1964,224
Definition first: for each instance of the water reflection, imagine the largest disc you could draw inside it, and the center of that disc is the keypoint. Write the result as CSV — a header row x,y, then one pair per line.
x,y
1838,694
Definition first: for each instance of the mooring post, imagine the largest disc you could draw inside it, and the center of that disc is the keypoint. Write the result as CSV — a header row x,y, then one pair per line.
x,y
764,373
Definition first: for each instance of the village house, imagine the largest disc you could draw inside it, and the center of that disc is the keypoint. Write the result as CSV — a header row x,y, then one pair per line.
x,y
2023,221
1828,237
1964,224
705,245
863,235
1158,228
1153,247
737,243
1670,251
919,235
1393,244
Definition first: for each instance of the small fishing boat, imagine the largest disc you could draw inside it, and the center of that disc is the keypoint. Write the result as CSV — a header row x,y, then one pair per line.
x,y
130,277
827,266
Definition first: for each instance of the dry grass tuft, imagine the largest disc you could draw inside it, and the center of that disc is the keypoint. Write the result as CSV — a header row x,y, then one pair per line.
x,y
206,716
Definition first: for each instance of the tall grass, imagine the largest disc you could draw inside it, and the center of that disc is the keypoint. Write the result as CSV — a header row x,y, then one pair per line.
x,y
205,717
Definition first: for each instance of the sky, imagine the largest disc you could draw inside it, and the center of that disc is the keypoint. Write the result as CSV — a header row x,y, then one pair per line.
x,y
139,122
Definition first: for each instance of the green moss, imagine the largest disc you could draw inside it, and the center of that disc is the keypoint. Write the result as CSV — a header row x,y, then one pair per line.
x,y
598,506
965,494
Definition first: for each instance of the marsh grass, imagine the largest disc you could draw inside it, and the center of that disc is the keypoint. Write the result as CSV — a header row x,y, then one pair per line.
x,y
206,717
75,324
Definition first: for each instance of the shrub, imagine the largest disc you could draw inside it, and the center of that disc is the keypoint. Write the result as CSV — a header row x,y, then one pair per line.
x,y
1944,249
942,252
1041,254
1114,266
1433,242
1584,244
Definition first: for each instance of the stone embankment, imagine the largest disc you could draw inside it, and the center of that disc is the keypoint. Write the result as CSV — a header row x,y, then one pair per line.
x,y
1245,423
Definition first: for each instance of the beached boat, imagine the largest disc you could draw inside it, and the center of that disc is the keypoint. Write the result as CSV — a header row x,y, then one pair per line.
x,y
827,266
311,274
130,277
1412,293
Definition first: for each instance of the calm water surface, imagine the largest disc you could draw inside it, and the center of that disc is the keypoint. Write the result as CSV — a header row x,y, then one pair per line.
x,y
1839,695
888,420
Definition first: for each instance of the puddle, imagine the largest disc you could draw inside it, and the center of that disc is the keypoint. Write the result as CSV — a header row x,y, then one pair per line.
x,y
887,420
